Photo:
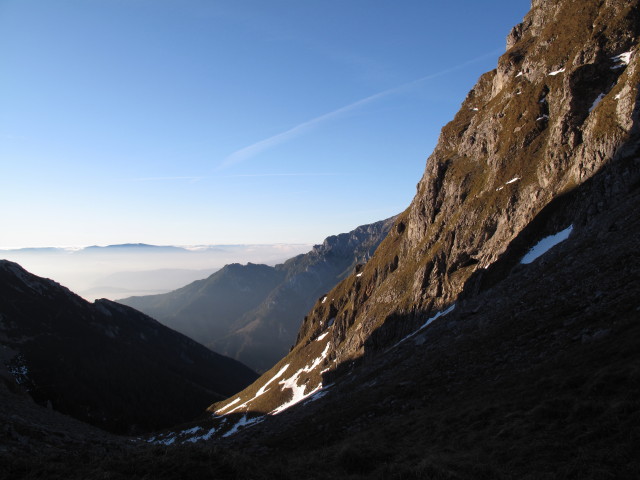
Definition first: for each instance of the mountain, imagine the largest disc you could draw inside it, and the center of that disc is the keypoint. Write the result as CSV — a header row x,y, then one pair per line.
x,y
494,332
104,363
252,312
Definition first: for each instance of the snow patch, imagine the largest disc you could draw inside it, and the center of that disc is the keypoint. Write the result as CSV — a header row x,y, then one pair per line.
x,y
321,337
513,180
299,391
275,377
243,422
556,72
542,117
197,438
544,245
228,405
597,101
519,74
359,274
429,321
621,60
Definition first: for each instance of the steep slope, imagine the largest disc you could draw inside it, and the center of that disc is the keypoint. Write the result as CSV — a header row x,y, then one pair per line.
x,y
253,312
105,363
547,141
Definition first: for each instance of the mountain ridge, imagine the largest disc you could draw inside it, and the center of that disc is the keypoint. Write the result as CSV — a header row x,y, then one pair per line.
x,y
98,362
252,312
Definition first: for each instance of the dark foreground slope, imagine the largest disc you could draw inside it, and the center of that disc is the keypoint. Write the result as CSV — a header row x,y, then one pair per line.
x,y
105,363
253,312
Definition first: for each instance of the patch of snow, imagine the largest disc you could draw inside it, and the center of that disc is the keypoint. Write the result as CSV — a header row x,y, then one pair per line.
x,y
228,405
621,60
618,96
205,436
519,74
499,188
324,299
514,179
359,274
275,377
556,72
426,324
474,109
542,117
597,101
299,391
321,337
243,422
544,245
262,390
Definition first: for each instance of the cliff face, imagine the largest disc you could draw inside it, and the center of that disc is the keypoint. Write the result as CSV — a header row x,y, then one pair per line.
x,y
548,140
561,106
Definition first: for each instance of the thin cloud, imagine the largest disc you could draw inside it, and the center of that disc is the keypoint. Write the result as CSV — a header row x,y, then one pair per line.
x,y
268,143
248,175
159,179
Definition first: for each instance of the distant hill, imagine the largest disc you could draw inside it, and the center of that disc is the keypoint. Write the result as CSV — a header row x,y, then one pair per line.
x,y
105,363
253,312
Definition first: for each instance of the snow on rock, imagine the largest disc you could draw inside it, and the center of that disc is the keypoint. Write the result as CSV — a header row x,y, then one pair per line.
x,y
204,436
359,274
542,117
324,299
229,405
243,422
556,72
429,321
321,337
262,390
513,180
546,244
519,74
299,392
621,60
597,101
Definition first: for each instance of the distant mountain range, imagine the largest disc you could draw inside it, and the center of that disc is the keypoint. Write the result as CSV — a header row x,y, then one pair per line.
x,y
116,271
252,312
105,363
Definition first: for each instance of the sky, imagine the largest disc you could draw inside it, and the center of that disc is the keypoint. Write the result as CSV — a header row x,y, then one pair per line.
x,y
187,122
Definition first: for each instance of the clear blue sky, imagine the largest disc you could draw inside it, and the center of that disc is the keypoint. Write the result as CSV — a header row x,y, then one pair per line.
x,y
227,121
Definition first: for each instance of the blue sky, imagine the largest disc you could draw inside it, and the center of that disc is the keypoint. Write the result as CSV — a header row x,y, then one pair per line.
x,y
223,122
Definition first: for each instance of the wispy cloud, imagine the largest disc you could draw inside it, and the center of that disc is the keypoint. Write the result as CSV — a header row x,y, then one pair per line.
x,y
268,143
160,179
247,175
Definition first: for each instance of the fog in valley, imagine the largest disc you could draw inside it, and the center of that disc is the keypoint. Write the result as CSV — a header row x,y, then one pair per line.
x,y
120,271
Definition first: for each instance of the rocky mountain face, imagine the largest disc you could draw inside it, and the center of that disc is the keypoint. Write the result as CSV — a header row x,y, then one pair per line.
x,y
546,143
104,363
253,312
